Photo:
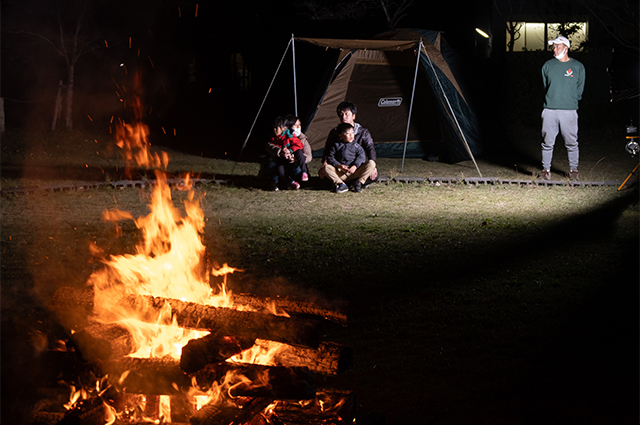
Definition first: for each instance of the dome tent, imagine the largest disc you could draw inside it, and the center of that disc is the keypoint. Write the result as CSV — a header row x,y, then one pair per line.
x,y
412,104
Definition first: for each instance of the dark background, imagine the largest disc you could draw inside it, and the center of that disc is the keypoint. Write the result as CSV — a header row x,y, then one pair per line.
x,y
189,84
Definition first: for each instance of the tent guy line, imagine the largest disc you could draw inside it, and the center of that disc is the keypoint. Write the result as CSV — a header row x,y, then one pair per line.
x,y
378,75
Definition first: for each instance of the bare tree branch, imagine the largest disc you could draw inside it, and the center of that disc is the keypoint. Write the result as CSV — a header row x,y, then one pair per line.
x,y
630,18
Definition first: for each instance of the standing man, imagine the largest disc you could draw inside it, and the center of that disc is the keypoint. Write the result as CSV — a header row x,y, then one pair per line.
x,y
347,115
563,78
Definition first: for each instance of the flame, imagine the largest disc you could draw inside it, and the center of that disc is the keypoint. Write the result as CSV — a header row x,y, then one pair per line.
x,y
79,394
262,352
110,414
168,262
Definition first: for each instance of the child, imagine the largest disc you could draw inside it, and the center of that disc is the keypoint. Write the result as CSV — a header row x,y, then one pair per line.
x,y
347,161
282,149
295,127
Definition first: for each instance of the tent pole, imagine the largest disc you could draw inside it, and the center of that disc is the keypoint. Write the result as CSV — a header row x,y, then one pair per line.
x,y
464,139
295,89
413,91
263,100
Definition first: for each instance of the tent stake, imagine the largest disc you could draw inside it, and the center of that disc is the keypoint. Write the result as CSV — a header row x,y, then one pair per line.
x,y
413,91
265,98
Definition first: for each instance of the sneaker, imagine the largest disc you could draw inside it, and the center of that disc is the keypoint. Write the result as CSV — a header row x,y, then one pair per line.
x,y
273,186
341,188
545,175
295,185
305,177
574,175
357,187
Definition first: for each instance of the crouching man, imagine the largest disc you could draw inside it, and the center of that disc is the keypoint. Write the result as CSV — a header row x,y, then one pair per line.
x,y
347,114
347,161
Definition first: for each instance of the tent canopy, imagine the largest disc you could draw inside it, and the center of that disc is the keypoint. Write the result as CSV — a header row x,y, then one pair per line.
x,y
379,76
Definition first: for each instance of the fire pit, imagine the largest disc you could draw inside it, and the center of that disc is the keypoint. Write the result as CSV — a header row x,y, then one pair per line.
x,y
151,341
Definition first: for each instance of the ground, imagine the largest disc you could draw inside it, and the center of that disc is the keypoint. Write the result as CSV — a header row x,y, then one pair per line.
x,y
500,305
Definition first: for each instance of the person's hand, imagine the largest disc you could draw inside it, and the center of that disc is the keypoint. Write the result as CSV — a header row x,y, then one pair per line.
x,y
343,168
352,169
374,174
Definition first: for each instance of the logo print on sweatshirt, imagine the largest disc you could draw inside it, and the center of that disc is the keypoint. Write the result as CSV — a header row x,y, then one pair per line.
x,y
569,73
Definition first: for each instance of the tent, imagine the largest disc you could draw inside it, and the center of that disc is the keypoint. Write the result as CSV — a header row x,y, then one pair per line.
x,y
412,104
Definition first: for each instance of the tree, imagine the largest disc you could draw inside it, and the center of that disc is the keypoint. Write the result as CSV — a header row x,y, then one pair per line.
x,y
617,14
355,10
66,29
513,28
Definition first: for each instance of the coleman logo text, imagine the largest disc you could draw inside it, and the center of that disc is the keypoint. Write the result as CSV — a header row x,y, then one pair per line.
x,y
389,101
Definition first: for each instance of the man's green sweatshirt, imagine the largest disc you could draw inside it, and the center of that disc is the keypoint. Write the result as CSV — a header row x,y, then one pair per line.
x,y
563,83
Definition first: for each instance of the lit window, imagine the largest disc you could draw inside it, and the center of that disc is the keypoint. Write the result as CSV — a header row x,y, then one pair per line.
x,y
532,35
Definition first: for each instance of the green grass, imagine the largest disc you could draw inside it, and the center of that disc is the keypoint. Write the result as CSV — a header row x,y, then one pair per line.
x,y
489,304
480,302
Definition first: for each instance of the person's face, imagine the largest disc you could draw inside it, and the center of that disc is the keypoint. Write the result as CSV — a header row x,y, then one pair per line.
x,y
559,48
347,116
279,130
296,126
347,136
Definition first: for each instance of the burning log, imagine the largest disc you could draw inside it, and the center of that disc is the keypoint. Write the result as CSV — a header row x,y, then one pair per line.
x,y
212,348
88,412
330,406
102,341
329,358
230,321
155,376
335,311
227,321
294,383
164,377
225,413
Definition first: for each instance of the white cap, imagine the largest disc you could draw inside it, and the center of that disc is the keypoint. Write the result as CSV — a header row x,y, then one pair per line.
x,y
561,40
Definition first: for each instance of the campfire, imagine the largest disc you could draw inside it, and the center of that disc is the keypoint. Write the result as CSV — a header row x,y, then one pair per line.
x,y
154,340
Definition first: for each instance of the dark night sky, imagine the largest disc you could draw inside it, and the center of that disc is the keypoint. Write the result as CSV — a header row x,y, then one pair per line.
x,y
189,86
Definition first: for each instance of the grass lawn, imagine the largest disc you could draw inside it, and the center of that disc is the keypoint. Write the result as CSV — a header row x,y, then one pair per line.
x,y
468,305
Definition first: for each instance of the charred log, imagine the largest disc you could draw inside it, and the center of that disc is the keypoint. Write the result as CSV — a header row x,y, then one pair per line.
x,y
229,321
102,341
147,376
295,383
334,311
226,321
86,412
212,348
67,298
46,418
329,358
164,377
227,412
72,306
54,365
330,406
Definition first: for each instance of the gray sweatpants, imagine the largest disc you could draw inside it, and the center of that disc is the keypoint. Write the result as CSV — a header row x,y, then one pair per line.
x,y
562,121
